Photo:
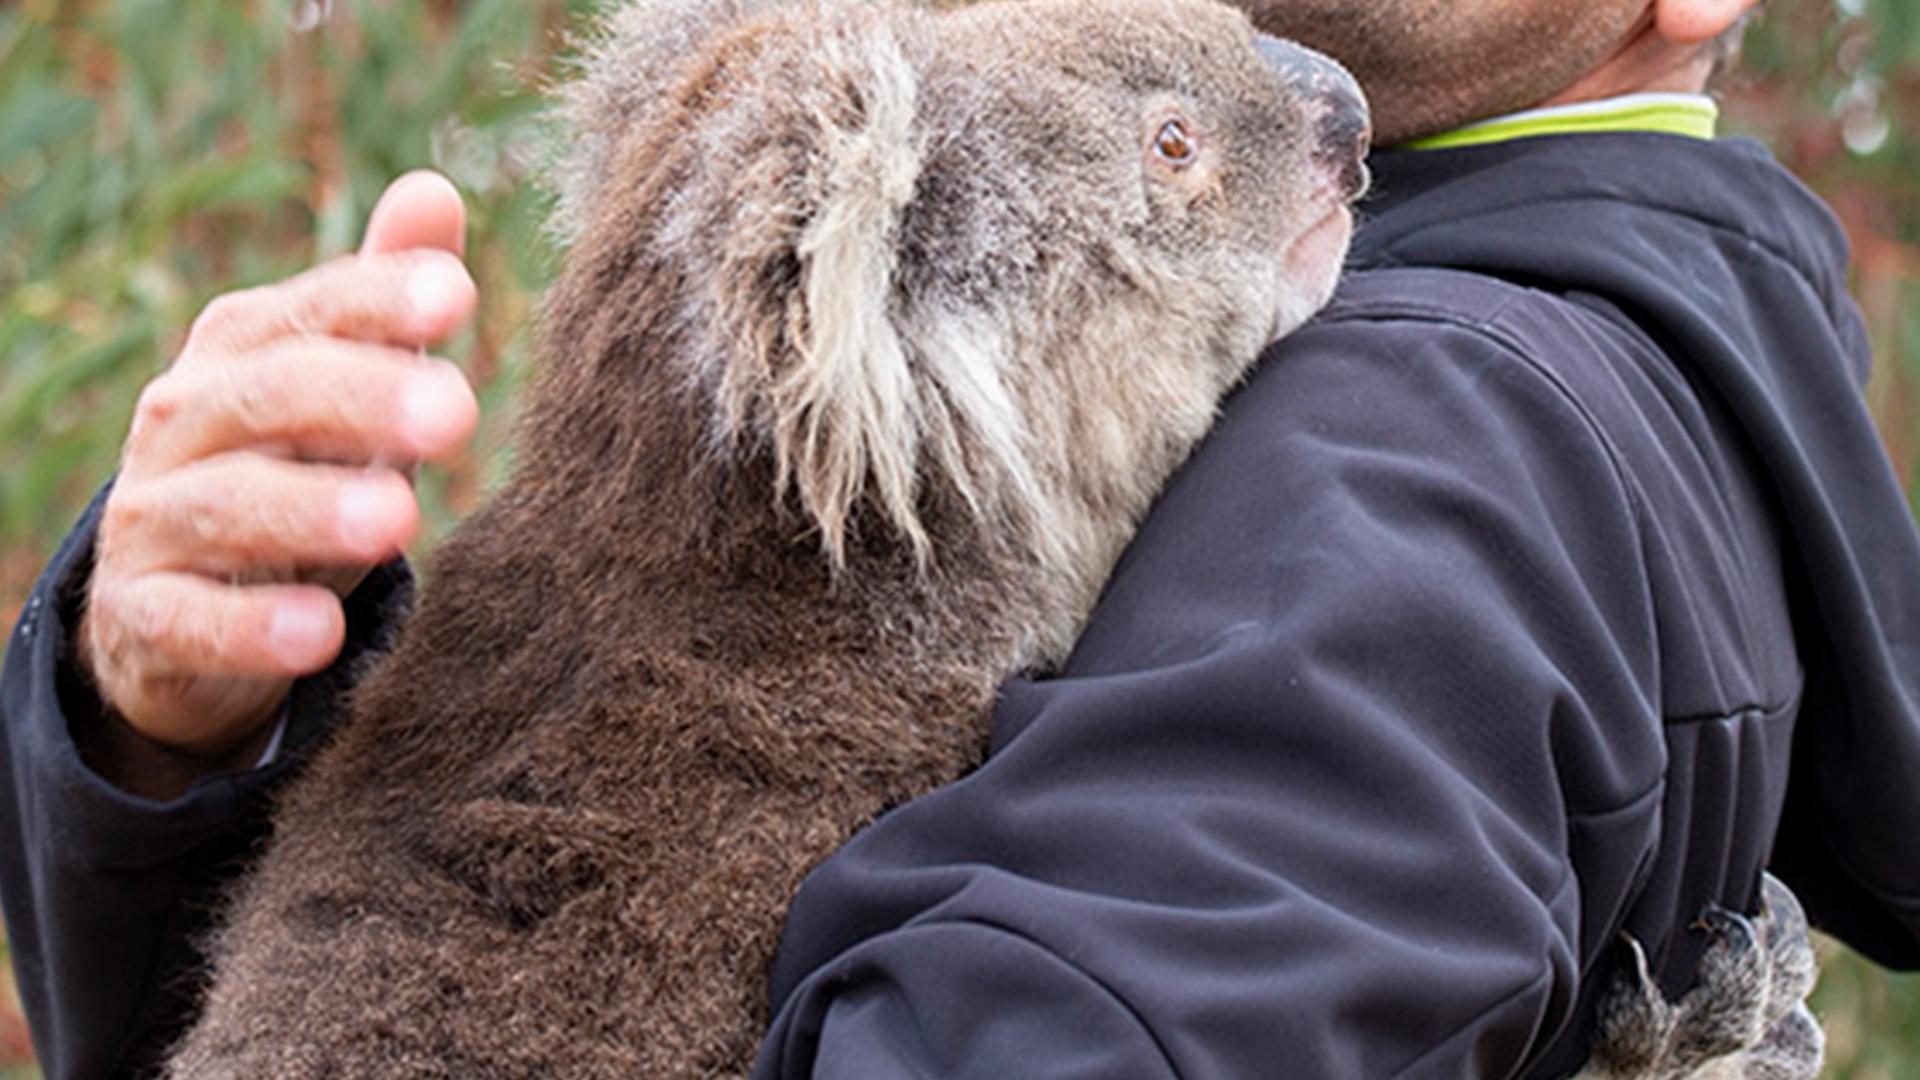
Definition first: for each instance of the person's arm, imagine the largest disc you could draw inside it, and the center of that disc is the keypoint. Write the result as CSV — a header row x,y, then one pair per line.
x,y
107,892
210,606
1309,798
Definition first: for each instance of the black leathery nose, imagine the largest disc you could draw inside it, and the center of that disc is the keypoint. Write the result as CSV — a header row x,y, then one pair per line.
x,y
1345,124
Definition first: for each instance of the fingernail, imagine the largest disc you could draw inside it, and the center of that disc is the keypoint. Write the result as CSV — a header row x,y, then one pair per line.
x,y
298,633
364,515
436,407
433,289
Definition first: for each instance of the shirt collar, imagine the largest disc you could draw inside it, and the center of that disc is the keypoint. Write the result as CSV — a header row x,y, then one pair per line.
x,y
1691,115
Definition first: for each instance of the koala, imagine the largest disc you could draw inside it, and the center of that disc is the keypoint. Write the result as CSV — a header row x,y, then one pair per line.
x,y
1747,1019
879,329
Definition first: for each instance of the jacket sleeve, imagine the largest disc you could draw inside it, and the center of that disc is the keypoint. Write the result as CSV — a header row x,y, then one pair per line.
x,y
105,893
1353,771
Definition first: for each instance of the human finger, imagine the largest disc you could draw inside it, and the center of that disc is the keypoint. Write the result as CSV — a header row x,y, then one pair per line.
x,y
421,209
151,628
321,398
412,298
235,512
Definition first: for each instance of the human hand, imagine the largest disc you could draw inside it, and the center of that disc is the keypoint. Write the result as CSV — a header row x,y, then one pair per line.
x,y
266,472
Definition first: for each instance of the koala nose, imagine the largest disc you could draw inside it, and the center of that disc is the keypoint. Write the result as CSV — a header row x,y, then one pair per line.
x,y
1345,125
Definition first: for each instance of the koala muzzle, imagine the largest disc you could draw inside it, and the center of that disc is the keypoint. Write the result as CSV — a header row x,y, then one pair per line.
x,y
1345,125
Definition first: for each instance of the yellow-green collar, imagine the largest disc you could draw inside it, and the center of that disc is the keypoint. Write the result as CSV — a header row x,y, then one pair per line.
x,y
1692,115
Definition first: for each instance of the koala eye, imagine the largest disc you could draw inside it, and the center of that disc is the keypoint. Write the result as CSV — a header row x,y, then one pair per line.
x,y
1175,143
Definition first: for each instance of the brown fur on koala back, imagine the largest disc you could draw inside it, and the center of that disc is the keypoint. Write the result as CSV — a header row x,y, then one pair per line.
x,y
880,330
523,864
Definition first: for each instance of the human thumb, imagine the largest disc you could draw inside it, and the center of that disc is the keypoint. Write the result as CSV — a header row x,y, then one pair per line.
x,y
421,209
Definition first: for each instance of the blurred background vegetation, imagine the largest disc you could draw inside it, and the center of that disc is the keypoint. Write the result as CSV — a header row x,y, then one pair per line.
x,y
154,153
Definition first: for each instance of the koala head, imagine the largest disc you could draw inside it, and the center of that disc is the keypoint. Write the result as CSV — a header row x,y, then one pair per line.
x,y
1004,257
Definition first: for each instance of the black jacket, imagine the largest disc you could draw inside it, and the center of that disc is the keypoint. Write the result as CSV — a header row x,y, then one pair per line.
x,y
1551,584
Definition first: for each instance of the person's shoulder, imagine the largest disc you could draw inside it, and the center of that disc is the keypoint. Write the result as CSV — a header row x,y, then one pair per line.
x,y
1422,380
1471,312
1410,452
1537,355
1518,353
1428,294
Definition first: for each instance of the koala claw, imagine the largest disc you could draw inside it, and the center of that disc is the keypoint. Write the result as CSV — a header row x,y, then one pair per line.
x,y
1728,926
1727,1011
1745,1019
1636,1023
1795,967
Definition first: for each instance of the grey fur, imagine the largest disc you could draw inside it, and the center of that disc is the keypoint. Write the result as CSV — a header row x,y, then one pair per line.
x,y
1746,1019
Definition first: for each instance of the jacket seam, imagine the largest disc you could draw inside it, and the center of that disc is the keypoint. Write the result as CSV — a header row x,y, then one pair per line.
x,y
1485,327
1731,714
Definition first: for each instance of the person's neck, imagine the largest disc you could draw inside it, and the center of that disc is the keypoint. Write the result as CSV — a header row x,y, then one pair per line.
x,y
1646,64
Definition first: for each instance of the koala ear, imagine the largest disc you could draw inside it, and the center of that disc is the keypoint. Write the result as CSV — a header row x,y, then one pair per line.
x,y
844,407
784,225
627,63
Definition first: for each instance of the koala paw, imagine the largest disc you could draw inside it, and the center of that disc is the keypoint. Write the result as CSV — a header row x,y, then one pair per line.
x,y
1746,1019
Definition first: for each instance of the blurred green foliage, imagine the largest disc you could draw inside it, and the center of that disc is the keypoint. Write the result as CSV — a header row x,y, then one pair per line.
x,y
154,153
1834,87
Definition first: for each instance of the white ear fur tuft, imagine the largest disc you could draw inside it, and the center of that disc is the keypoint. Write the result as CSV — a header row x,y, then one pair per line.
x,y
628,62
845,412
977,436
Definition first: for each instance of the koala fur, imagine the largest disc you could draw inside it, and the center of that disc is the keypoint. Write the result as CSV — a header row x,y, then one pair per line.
x,y
1747,1019
880,328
